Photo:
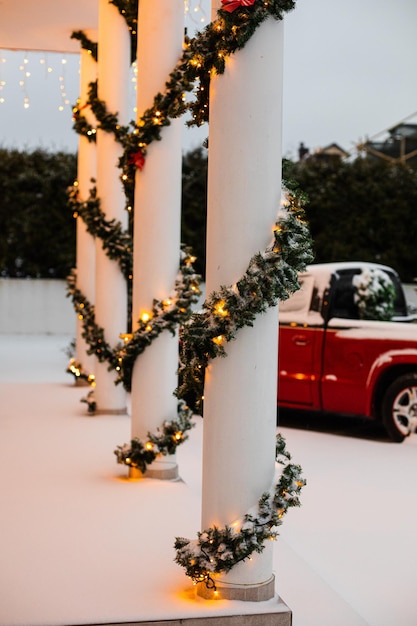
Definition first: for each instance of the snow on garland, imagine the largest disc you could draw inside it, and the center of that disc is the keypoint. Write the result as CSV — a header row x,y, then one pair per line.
x,y
374,294
203,56
76,369
218,550
166,315
165,441
116,242
270,276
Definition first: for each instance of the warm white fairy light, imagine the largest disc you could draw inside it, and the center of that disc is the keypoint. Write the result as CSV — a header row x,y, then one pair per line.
x,y
61,79
2,81
195,11
25,74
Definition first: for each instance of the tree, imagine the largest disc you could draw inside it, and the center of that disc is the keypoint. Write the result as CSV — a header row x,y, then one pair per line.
x,y
360,210
36,226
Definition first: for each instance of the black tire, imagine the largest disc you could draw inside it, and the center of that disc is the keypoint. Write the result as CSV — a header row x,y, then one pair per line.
x,y
399,407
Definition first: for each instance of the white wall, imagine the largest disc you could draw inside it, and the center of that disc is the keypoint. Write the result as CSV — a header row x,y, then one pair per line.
x,y
35,306
40,306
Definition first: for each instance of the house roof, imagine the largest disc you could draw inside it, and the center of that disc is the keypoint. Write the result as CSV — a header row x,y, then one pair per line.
x,y
45,24
333,149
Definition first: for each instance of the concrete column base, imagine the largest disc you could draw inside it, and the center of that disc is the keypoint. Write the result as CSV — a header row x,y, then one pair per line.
x,y
232,591
168,473
81,382
111,411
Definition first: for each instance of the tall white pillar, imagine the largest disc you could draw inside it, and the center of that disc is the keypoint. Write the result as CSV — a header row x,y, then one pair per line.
x,y
85,246
244,188
111,288
157,227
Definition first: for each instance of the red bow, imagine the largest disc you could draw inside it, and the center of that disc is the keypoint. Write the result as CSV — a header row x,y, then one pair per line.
x,y
232,5
137,159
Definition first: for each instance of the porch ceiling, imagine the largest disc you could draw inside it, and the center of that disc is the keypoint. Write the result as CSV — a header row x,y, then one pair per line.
x,y
46,24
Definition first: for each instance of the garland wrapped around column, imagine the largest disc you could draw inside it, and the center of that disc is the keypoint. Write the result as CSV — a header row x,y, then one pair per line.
x,y
271,276
218,550
116,242
203,56
140,454
166,315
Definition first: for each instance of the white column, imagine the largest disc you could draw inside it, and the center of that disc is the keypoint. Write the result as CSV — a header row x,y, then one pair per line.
x,y
111,289
157,225
85,246
244,188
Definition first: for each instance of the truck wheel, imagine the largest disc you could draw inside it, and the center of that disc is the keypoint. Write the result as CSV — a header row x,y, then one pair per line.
x,y
399,407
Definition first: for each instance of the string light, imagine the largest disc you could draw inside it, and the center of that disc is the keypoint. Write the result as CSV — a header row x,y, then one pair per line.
x,y
2,81
25,72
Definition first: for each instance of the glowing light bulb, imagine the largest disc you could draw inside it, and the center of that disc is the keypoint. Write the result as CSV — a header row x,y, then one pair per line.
x,y
220,310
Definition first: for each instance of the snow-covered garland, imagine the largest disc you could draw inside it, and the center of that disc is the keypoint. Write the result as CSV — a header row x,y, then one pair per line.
x,y
166,315
218,550
117,243
76,369
203,56
165,441
271,276
375,295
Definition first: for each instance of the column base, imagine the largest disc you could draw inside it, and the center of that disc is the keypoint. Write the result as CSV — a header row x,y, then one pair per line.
x,y
168,473
81,382
110,411
231,591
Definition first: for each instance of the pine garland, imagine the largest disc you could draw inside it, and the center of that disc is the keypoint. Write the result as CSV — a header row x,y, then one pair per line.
x,y
117,242
86,43
76,369
92,332
165,315
271,276
165,441
202,57
129,10
218,550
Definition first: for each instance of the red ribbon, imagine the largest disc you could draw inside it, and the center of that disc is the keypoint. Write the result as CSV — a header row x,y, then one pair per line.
x,y
137,159
232,5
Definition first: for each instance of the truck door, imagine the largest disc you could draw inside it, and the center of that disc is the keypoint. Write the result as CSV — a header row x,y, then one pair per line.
x,y
299,349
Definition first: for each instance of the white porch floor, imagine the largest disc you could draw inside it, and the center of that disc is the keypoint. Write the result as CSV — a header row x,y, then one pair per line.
x,y
79,544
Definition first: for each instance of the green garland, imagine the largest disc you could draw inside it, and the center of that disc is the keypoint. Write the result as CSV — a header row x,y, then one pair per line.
x,y
203,56
129,10
92,332
270,276
139,455
218,550
86,43
117,243
76,369
374,294
165,315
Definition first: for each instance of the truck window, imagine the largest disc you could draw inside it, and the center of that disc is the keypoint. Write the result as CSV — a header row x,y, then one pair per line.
x,y
300,300
343,304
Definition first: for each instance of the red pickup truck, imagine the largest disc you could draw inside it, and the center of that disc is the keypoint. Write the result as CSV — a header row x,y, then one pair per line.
x,y
348,345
